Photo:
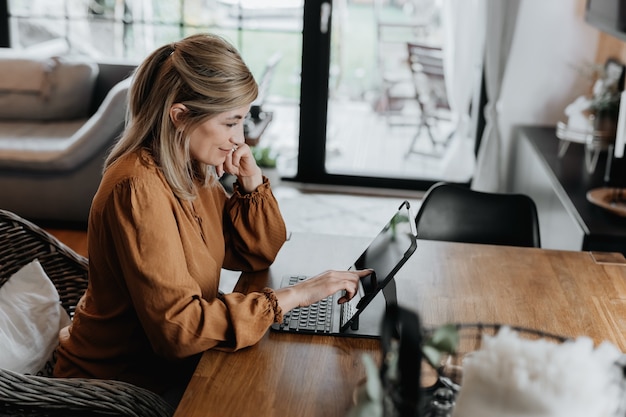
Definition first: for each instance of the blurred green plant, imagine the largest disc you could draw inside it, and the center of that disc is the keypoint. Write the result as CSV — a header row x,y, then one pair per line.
x,y
443,340
370,396
265,156
605,95
397,219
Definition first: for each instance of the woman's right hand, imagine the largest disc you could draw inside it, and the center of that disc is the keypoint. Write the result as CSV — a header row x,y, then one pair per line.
x,y
320,286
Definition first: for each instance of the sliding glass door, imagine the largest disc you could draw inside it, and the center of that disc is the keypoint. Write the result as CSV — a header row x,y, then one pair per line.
x,y
370,116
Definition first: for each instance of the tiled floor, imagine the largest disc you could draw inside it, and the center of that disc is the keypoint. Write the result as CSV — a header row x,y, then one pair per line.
x,y
337,213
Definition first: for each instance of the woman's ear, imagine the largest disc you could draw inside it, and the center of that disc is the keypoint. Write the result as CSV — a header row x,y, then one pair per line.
x,y
177,113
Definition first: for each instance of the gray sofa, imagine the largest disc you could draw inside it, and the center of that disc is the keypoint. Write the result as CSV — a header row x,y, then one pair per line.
x,y
51,164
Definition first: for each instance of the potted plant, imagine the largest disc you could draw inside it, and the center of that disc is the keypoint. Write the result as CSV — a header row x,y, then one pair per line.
x,y
604,107
605,96
267,158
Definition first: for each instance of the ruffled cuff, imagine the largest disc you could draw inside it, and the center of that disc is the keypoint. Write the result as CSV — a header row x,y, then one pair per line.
x,y
261,189
271,297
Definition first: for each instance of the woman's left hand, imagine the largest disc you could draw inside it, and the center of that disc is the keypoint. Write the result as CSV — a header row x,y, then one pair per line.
x,y
240,162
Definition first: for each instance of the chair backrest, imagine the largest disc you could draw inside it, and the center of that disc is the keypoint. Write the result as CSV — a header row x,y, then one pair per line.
x,y
21,242
110,73
456,213
426,62
23,394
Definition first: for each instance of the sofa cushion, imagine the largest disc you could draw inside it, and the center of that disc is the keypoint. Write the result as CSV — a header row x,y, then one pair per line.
x,y
45,49
57,88
22,138
31,317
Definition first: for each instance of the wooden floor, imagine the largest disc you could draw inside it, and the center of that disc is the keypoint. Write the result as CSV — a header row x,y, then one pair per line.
x,y
75,239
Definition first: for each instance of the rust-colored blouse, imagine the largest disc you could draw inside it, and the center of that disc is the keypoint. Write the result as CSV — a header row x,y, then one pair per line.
x,y
154,270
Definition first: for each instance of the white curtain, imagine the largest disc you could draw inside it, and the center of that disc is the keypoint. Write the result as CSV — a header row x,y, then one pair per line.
x,y
463,25
499,29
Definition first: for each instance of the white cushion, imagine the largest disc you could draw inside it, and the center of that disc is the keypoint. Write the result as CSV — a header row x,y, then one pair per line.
x,y
45,49
31,316
46,88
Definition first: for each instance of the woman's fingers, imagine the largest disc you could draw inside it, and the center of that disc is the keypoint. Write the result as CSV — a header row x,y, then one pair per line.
x,y
330,282
240,162
229,165
219,170
351,287
321,286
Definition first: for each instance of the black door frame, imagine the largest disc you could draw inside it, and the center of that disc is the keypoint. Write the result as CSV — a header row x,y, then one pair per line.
x,y
5,40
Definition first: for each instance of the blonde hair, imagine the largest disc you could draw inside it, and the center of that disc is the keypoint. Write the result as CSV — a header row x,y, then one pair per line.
x,y
205,73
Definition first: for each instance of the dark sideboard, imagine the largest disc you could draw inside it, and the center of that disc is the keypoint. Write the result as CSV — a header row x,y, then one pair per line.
x,y
559,186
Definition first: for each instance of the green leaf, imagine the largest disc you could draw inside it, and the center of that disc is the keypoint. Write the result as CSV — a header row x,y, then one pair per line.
x,y
445,338
264,156
432,355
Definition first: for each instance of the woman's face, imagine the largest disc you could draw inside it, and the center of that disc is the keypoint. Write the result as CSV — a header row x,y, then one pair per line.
x,y
212,141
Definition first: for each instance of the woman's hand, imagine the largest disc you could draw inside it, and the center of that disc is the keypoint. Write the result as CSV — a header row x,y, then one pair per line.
x,y
241,163
320,286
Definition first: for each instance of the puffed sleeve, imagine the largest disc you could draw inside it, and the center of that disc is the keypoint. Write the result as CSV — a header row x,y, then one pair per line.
x,y
254,229
178,317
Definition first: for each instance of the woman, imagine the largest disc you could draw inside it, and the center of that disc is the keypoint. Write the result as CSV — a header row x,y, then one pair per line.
x,y
161,227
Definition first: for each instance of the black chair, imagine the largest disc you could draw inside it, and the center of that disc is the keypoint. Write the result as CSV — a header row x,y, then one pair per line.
x,y
458,214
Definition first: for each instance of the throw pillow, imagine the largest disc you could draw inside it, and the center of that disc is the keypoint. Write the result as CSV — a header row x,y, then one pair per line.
x,y
58,88
31,316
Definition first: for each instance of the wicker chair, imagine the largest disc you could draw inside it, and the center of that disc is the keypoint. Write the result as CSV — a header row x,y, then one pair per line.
x,y
20,395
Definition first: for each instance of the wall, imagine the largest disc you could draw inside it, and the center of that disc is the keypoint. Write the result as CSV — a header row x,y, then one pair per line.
x,y
610,47
551,40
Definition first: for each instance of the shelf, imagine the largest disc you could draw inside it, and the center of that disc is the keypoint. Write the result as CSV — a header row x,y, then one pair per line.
x,y
559,184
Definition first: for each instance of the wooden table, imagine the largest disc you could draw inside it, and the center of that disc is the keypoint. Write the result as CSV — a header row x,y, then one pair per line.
x,y
562,292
